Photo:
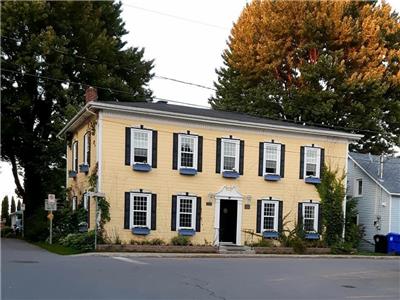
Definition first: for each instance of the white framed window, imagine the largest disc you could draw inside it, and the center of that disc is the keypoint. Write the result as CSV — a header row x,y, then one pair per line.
x,y
269,218
230,154
312,162
358,187
140,206
86,201
75,156
310,217
141,143
186,212
272,158
86,148
187,151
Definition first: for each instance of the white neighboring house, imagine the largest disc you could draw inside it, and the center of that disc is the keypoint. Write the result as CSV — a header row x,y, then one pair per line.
x,y
376,185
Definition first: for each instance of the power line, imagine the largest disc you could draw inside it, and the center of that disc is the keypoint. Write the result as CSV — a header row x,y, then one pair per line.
x,y
176,17
199,106
125,67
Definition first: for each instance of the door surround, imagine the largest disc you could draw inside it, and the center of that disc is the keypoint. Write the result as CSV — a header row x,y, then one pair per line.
x,y
228,193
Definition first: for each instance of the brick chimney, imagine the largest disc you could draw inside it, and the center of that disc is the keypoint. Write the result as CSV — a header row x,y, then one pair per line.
x,y
90,94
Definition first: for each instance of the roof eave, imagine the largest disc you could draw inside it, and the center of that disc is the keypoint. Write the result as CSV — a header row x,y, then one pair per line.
x,y
343,135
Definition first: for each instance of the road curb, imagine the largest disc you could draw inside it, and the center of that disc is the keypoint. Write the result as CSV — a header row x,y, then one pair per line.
x,y
214,255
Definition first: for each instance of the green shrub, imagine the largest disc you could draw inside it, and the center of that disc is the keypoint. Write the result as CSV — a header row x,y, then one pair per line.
x,y
37,226
262,243
5,231
181,241
156,242
299,246
80,241
343,248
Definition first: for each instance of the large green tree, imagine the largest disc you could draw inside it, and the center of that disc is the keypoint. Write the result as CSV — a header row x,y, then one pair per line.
x,y
51,52
334,63
4,210
12,208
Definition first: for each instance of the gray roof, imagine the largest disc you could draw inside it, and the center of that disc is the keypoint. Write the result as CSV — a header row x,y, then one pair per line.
x,y
391,170
204,112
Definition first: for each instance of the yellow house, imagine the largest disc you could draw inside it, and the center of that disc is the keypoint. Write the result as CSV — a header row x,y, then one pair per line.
x,y
170,170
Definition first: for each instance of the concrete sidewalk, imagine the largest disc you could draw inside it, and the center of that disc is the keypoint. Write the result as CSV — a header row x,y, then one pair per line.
x,y
225,255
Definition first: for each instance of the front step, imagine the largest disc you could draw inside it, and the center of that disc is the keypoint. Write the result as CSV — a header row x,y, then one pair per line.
x,y
229,248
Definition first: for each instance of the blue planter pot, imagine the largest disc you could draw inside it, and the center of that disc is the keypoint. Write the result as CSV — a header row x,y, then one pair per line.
x,y
84,168
72,174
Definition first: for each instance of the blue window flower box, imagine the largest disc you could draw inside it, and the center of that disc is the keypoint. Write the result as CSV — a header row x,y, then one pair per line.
x,y
270,234
186,232
230,174
312,236
84,168
140,230
141,167
83,227
188,171
312,180
72,174
272,177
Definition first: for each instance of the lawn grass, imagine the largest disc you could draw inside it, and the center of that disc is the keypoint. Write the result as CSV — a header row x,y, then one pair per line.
x,y
57,248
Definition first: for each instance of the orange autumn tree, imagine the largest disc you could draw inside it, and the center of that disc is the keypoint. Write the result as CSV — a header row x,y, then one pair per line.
x,y
321,62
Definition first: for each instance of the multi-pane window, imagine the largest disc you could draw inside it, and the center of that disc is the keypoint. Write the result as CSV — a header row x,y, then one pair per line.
x,y
270,215
359,187
230,155
186,216
75,156
187,156
310,217
272,158
86,148
141,146
140,208
312,160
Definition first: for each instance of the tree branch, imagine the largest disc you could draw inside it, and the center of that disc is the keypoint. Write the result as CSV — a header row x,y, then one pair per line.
x,y
20,189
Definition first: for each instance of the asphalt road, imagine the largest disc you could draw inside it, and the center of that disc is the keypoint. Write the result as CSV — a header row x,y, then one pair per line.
x,y
29,272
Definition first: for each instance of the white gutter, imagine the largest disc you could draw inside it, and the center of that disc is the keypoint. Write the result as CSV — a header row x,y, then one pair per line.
x,y
205,119
376,181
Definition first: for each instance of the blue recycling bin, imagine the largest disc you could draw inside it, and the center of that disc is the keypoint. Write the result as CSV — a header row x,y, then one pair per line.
x,y
393,242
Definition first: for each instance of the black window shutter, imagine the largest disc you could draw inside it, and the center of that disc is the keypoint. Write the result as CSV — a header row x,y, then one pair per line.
x,y
175,152
319,219
153,211
322,163
199,154
282,161
127,146
218,157
154,149
260,159
300,215
88,150
241,158
173,213
280,217
88,213
127,209
301,175
77,155
258,225
198,214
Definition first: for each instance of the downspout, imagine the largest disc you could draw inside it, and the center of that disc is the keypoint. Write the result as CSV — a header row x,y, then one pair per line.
x,y
346,170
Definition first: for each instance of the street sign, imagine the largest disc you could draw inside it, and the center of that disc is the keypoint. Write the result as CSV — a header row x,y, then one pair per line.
x,y
51,198
50,206
22,206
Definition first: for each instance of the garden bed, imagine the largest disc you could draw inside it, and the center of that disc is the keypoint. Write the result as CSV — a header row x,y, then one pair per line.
x,y
156,248
289,250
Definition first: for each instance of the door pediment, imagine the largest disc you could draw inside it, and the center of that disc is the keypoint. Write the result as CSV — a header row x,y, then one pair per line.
x,y
229,192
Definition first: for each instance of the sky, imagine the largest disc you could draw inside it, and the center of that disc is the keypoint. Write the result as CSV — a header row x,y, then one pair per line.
x,y
185,38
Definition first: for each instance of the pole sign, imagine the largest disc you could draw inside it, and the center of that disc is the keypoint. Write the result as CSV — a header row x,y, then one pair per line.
x,y
50,204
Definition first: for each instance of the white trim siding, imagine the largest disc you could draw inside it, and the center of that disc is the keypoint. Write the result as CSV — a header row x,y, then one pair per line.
x,y
99,151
